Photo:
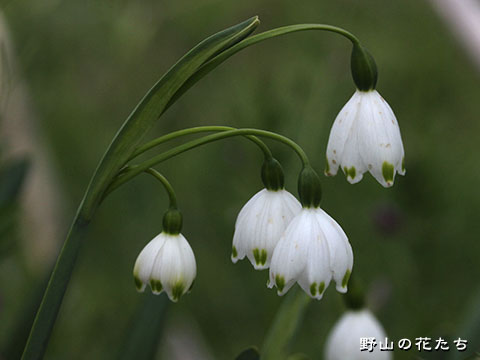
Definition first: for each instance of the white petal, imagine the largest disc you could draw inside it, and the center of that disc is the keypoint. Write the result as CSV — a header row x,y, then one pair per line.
x,y
317,274
290,254
380,139
340,132
341,254
243,230
144,263
344,339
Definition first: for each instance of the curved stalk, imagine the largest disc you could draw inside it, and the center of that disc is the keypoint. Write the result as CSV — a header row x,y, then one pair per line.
x,y
168,187
252,40
194,130
129,174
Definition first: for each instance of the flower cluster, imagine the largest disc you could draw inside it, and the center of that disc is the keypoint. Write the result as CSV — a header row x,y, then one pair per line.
x,y
298,241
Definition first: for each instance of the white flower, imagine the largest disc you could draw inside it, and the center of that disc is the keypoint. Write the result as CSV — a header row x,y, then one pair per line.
x,y
365,137
313,249
260,224
344,341
167,263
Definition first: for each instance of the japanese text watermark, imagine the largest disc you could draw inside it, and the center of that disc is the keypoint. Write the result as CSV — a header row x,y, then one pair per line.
x,y
420,343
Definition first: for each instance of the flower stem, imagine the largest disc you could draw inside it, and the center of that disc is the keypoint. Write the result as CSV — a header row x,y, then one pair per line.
x,y
135,170
168,187
284,325
194,130
252,40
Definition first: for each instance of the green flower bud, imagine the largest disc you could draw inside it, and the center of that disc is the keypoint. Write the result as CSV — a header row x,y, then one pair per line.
x,y
309,188
172,222
364,69
272,175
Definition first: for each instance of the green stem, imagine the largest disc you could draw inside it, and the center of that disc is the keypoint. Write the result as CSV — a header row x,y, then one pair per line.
x,y
168,187
252,40
134,171
37,343
285,325
194,130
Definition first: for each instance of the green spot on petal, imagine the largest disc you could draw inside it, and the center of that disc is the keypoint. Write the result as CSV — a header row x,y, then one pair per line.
x,y
256,255
177,290
279,282
352,172
156,285
313,289
138,283
387,172
345,278
263,256
321,288
234,252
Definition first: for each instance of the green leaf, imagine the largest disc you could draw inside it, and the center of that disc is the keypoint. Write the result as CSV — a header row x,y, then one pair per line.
x,y
145,329
249,354
285,325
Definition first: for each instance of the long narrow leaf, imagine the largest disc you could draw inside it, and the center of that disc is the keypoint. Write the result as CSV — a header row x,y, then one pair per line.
x,y
143,333
285,325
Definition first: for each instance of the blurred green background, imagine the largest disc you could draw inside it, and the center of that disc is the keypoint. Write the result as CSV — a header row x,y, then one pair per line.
x,y
86,64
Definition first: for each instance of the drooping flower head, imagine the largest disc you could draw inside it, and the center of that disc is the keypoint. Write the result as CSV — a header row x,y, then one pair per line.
x,y
263,219
365,135
345,339
314,248
167,262
260,224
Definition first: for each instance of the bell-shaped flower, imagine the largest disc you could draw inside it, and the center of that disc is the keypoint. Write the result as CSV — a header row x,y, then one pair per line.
x,y
365,137
168,264
353,337
313,250
260,224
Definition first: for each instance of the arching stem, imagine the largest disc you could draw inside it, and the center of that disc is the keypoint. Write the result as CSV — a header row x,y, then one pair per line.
x,y
168,187
194,130
129,174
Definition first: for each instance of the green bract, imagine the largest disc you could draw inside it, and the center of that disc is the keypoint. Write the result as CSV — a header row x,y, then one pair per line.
x,y
364,69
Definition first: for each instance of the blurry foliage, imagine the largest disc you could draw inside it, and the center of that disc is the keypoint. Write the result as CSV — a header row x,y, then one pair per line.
x,y
88,63
12,176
